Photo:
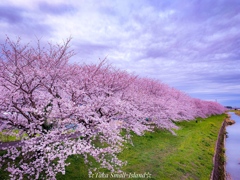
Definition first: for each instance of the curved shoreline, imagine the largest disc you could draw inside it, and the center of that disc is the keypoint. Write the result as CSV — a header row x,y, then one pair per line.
x,y
219,170
231,156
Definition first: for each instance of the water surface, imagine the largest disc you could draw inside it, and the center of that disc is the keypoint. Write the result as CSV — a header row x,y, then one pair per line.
x,y
233,148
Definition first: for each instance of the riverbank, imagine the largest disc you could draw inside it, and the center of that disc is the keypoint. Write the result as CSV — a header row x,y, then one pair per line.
x,y
219,171
219,159
232,147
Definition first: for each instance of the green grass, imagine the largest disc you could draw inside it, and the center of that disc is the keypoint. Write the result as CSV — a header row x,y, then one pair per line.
x,y
185,156
7,138
165,156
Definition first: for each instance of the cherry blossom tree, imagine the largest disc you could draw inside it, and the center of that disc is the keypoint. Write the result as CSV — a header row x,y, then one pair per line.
x,y
41,95
66,108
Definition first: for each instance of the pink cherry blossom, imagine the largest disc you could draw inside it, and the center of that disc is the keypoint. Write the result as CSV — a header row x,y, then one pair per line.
x,y
64,108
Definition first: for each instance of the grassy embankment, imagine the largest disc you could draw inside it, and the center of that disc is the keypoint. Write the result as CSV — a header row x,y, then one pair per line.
x,y
165,156
237,112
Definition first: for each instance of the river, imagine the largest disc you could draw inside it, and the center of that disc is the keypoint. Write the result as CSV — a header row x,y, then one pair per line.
x,y
233,148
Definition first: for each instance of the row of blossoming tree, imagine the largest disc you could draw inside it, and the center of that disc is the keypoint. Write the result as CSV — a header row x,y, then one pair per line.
x,y
65,108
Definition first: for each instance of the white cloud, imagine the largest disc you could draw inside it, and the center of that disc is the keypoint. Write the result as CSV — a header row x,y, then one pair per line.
x,y
191,46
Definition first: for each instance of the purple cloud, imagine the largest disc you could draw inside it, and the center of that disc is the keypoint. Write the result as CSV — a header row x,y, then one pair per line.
x,y
55,9
11,14
191,45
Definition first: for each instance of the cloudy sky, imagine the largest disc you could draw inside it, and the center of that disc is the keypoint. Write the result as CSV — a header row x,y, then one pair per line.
x,y
192,45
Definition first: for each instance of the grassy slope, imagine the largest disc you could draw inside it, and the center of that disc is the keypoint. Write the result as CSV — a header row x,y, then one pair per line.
x,y
165,156
237,112
185,156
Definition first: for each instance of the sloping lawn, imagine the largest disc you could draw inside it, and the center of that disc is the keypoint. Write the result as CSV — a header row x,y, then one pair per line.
x,y
188,155
162,155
